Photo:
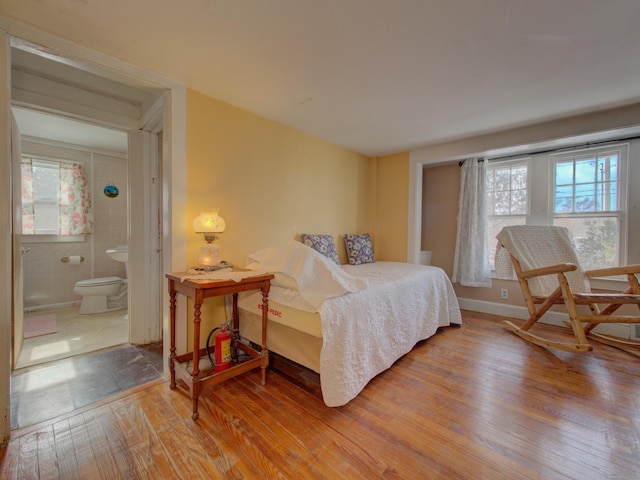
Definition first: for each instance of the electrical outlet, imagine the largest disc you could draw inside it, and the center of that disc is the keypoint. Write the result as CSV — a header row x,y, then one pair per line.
x,y
504,293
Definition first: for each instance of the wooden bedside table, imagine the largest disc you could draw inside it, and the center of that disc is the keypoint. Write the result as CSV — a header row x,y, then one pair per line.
x,y
198,290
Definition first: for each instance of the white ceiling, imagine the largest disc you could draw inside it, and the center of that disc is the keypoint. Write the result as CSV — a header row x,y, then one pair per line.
x,y
375,76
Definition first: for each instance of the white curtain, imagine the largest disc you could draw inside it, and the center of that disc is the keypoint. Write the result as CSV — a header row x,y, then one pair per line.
x,y
470,267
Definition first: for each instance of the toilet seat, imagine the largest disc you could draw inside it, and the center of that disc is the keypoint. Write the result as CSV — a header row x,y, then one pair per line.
x,y
98,282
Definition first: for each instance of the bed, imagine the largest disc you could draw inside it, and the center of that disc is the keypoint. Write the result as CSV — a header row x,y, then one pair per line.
x,y
348,323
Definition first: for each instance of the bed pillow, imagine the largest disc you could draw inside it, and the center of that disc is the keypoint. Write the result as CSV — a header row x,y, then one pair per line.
x,y
323,244
315,276
359,249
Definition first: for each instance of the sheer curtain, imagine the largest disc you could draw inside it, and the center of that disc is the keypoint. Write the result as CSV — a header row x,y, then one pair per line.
x,y
470,268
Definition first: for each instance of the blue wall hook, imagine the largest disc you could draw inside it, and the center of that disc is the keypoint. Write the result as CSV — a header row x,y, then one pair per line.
x,y
111,191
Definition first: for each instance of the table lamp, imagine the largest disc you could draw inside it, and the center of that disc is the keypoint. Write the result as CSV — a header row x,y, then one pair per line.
x,y
210,225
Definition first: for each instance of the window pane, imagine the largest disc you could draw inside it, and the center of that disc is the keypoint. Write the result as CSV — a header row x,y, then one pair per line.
x,y
596,240
585,170
519,177
507,189
564,173
502,178
519,202
46,182
502,203
564,199
47,219
584,198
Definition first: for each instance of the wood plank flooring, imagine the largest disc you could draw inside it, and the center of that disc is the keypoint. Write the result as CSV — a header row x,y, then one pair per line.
x,y
474,402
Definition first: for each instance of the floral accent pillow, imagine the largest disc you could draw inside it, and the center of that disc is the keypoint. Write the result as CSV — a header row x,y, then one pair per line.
x,y
359,249
322,244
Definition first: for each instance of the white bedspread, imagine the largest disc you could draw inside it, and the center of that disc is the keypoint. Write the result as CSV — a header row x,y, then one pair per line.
x,y
371,314
365,332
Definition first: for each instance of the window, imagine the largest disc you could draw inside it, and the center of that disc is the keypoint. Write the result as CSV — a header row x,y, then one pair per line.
x,y
507,190
55,198
582,190
586,201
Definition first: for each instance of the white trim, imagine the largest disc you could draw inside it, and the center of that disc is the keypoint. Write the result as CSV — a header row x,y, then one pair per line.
x,y
414,224
6,212
552,318
71,146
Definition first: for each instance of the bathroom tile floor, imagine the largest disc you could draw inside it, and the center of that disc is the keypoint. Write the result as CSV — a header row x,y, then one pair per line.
x,y
77,334
43,392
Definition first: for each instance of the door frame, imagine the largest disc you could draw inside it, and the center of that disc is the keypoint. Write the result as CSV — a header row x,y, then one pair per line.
x,y
173,168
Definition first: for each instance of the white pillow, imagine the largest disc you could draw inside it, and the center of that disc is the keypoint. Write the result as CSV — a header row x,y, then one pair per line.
x,y
298,266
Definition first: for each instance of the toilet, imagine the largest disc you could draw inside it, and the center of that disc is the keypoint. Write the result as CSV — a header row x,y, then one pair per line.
x,y
107,293
102,294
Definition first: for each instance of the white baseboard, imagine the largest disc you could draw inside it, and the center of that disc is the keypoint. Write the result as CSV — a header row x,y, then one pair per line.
x,y
619,330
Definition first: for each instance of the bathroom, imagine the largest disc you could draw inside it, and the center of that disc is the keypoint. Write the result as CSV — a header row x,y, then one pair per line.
x,y
52,265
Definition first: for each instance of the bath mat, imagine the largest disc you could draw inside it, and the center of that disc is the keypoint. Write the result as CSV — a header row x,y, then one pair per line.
x,y
40,325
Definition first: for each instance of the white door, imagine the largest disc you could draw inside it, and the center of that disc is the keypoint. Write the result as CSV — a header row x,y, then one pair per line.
x,y
145,233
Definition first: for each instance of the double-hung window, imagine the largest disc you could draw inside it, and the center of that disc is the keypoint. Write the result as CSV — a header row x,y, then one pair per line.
x,y
582,190
586,199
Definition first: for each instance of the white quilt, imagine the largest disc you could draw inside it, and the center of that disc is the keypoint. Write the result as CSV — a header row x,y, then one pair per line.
x,y
364,333
371,314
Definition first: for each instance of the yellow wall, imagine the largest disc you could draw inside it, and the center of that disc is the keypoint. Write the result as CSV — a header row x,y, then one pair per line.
x,y
270,182
391,207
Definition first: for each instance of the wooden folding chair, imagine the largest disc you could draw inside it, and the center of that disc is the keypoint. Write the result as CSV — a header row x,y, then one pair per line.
x,y
547,267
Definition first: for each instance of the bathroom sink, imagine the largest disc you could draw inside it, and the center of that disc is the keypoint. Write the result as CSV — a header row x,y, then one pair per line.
x,y
119,253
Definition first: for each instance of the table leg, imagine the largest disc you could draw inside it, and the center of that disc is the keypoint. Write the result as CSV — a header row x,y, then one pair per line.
x,y
235,330
195,398
196,385
196,339
264,354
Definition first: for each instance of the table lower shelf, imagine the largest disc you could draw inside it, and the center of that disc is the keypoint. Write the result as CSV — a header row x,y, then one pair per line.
x,y
181,368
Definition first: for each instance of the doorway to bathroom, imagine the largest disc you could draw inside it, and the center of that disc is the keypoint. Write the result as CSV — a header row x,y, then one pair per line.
x,y
95,122
74,291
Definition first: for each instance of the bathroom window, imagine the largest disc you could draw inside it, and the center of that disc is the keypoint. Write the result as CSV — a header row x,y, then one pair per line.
x,y
55,198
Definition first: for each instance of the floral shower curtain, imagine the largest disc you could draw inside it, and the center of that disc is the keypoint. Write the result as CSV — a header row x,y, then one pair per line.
x,y
470,267
76,217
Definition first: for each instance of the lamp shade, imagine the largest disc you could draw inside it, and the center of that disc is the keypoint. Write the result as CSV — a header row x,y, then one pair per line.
x,y
209,222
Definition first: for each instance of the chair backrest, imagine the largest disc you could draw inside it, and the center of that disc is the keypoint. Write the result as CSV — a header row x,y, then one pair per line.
x,y
538,246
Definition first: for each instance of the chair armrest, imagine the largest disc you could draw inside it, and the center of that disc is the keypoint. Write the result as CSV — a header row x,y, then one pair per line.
x,y
609,272
550,270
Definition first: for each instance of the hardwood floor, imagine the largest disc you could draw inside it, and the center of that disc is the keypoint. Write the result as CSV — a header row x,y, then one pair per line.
x,y
474,402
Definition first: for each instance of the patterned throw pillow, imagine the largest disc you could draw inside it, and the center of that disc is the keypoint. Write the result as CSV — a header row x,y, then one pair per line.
x,y
359,249
323,244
